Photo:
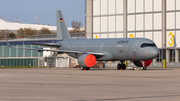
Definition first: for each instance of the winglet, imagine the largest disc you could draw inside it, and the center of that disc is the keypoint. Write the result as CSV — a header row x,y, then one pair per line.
x,y
7,42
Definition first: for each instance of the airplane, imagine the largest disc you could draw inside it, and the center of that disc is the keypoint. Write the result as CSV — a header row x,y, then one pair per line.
x,y
139,50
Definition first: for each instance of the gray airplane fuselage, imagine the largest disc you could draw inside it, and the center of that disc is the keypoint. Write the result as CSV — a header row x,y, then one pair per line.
x,y
140,50
114,49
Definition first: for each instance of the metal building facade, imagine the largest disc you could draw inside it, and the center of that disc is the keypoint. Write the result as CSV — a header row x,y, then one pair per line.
x,y
158,20
21,57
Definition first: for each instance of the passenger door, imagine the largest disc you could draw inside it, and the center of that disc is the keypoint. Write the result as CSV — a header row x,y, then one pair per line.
x,y
135,45
135,49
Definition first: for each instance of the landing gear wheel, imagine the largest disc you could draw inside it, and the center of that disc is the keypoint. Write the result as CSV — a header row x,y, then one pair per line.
x,y
144,68
123,67
83,68
119,66
87,68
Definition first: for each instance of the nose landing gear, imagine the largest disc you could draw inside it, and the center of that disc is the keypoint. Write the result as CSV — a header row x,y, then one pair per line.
x,y
144,67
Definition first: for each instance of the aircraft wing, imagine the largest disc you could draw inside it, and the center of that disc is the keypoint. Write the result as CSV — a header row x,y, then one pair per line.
x,y
61,51
49,45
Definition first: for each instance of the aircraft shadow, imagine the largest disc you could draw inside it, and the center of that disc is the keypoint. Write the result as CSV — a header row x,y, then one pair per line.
x,y
132,70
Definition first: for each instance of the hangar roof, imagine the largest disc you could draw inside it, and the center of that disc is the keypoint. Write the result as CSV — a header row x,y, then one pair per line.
x,y
16,25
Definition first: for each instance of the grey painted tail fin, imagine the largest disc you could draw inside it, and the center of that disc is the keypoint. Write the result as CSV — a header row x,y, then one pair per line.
x,y
62,31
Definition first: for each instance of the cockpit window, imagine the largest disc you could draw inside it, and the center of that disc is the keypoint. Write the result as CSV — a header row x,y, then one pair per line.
x,y
148,45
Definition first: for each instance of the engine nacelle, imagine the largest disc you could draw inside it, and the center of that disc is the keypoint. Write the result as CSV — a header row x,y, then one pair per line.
x,y
87,60
139,63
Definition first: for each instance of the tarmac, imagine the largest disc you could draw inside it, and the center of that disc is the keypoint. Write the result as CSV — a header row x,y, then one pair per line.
x,y
72,84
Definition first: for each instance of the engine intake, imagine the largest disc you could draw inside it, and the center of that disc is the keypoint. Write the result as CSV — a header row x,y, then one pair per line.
x,y
87,60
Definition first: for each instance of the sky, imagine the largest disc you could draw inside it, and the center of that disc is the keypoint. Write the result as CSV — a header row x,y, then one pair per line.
x,y
45,10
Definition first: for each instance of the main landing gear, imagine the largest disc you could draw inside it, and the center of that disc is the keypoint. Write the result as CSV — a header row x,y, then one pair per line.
x,y
85,68
121,66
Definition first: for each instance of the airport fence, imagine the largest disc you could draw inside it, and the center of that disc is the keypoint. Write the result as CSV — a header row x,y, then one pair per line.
x,y
61,62
19,62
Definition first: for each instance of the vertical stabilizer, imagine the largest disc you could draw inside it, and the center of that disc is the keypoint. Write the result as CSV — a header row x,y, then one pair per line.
x,y
62,31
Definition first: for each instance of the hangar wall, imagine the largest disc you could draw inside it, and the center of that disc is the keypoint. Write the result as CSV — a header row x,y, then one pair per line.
x,y
19,62
21,57
11,52
108,18
142,18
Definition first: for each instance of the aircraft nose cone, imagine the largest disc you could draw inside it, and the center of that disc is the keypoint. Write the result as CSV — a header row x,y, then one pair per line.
x,y
154,52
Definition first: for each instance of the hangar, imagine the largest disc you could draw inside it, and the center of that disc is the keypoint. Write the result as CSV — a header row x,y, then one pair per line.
x,y
158,20
20,57
13,26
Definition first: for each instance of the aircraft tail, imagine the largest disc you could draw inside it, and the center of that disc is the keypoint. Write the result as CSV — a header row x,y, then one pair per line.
x,y
62,31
